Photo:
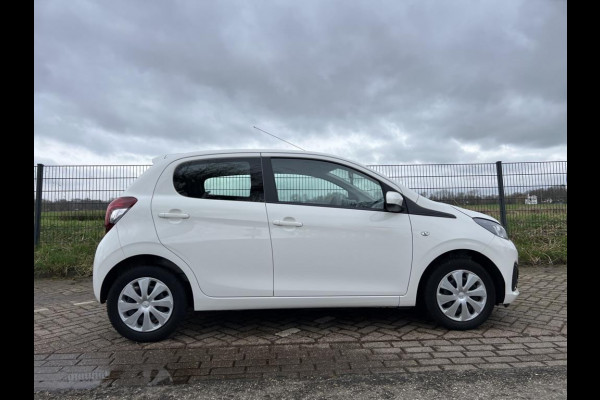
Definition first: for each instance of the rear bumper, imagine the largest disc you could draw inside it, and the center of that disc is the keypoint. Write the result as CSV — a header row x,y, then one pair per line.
x,y
108,254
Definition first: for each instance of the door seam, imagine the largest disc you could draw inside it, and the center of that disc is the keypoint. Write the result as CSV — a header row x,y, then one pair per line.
x,y
272,256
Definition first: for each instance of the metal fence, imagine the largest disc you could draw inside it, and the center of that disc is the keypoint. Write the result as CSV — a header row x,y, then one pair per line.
x,y
70,200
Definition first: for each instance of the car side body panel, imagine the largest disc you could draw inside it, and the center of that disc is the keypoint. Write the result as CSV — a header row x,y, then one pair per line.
x,y
432,236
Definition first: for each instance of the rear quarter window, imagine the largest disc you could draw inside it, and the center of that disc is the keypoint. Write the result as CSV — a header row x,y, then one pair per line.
x,y
222,179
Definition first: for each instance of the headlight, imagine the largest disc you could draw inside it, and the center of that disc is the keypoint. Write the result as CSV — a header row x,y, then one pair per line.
x,y
492,226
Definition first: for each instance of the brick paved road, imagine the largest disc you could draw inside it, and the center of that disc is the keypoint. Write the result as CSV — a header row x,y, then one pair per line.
x,y
76,347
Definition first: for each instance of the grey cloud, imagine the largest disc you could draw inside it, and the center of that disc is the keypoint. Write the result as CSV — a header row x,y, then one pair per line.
x,y
110,75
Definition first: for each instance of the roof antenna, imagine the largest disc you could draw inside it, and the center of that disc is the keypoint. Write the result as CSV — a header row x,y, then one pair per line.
x,y
277,137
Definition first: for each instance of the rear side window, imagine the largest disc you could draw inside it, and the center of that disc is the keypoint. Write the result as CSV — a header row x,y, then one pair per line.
x,y
221,179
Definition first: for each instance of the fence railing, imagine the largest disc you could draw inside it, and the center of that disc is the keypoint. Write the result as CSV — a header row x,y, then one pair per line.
x,y
70,200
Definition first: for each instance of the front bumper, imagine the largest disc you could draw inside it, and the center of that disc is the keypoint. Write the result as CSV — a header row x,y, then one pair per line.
x,y
505,255
512,294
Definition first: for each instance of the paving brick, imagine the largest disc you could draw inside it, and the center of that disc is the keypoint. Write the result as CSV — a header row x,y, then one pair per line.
x,y
465,342
63,356
535,357
227,371
493,340
478,354
448,348
43,377
500,359
435,361
298,367
331,365
437,342
400,363
191,371
480,347
423,349
263,368
494,366
468,360
217,364
425,368
558,356
60,363
388,370
553,363
537,345
384,357
94,361
416,356
77,369
547,350
527,364
45,370
229,345
227,356
515,352
249,362
409,343
450,354
388,350
183,365
464,367
95,355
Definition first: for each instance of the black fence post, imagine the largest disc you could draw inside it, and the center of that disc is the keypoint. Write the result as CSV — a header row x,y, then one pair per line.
x,y
501,195
37,217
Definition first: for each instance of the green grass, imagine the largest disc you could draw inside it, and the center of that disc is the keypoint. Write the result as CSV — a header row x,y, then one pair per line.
x,y
68,243
69,240
538,230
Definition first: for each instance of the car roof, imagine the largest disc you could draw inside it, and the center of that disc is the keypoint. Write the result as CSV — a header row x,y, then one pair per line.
x,y
174,156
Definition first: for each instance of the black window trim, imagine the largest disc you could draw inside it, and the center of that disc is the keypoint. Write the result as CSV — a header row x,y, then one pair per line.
x,y
257,183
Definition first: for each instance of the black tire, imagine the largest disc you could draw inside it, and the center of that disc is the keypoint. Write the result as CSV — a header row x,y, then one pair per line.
x,y
178,310
431,287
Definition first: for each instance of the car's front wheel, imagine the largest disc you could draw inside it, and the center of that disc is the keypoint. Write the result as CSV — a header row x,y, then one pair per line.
x,y
146,303
460,294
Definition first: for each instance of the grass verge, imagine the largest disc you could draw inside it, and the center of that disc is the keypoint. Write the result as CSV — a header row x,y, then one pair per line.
x,y
68,244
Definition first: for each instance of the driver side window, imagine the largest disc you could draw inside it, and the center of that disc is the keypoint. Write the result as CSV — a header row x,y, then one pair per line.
x,y
293,188
313,182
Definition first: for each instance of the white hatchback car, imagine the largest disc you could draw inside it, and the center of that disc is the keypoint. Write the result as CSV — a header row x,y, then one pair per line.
x,y
251,229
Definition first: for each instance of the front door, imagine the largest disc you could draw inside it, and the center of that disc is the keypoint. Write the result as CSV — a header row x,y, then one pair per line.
x,y
211,213
331,235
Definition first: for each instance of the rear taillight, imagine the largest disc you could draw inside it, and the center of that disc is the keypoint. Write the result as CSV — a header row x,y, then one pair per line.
x,y
116,209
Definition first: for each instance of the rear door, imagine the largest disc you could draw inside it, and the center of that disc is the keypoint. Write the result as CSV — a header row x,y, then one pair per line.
x,y
210,211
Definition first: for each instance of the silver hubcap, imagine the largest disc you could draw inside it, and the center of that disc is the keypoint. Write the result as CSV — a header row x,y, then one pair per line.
x,y
145,304
461,295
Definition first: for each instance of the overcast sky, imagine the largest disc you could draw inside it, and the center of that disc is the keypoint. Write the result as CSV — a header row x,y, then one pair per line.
x,y
375,81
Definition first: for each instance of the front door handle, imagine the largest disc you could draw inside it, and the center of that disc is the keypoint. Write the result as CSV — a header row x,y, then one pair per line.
x,y
287,223
174,215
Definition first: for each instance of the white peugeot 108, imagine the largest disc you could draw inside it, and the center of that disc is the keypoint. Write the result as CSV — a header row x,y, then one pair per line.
x,y
250,229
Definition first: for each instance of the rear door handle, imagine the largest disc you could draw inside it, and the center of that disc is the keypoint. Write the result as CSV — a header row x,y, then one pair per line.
x,y
287,223
174,215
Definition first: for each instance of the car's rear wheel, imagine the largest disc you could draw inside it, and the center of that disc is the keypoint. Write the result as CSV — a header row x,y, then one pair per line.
x,y
460,294
146,303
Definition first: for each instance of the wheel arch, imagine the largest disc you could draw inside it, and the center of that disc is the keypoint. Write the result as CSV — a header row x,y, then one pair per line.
x,y
146,259
479,258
